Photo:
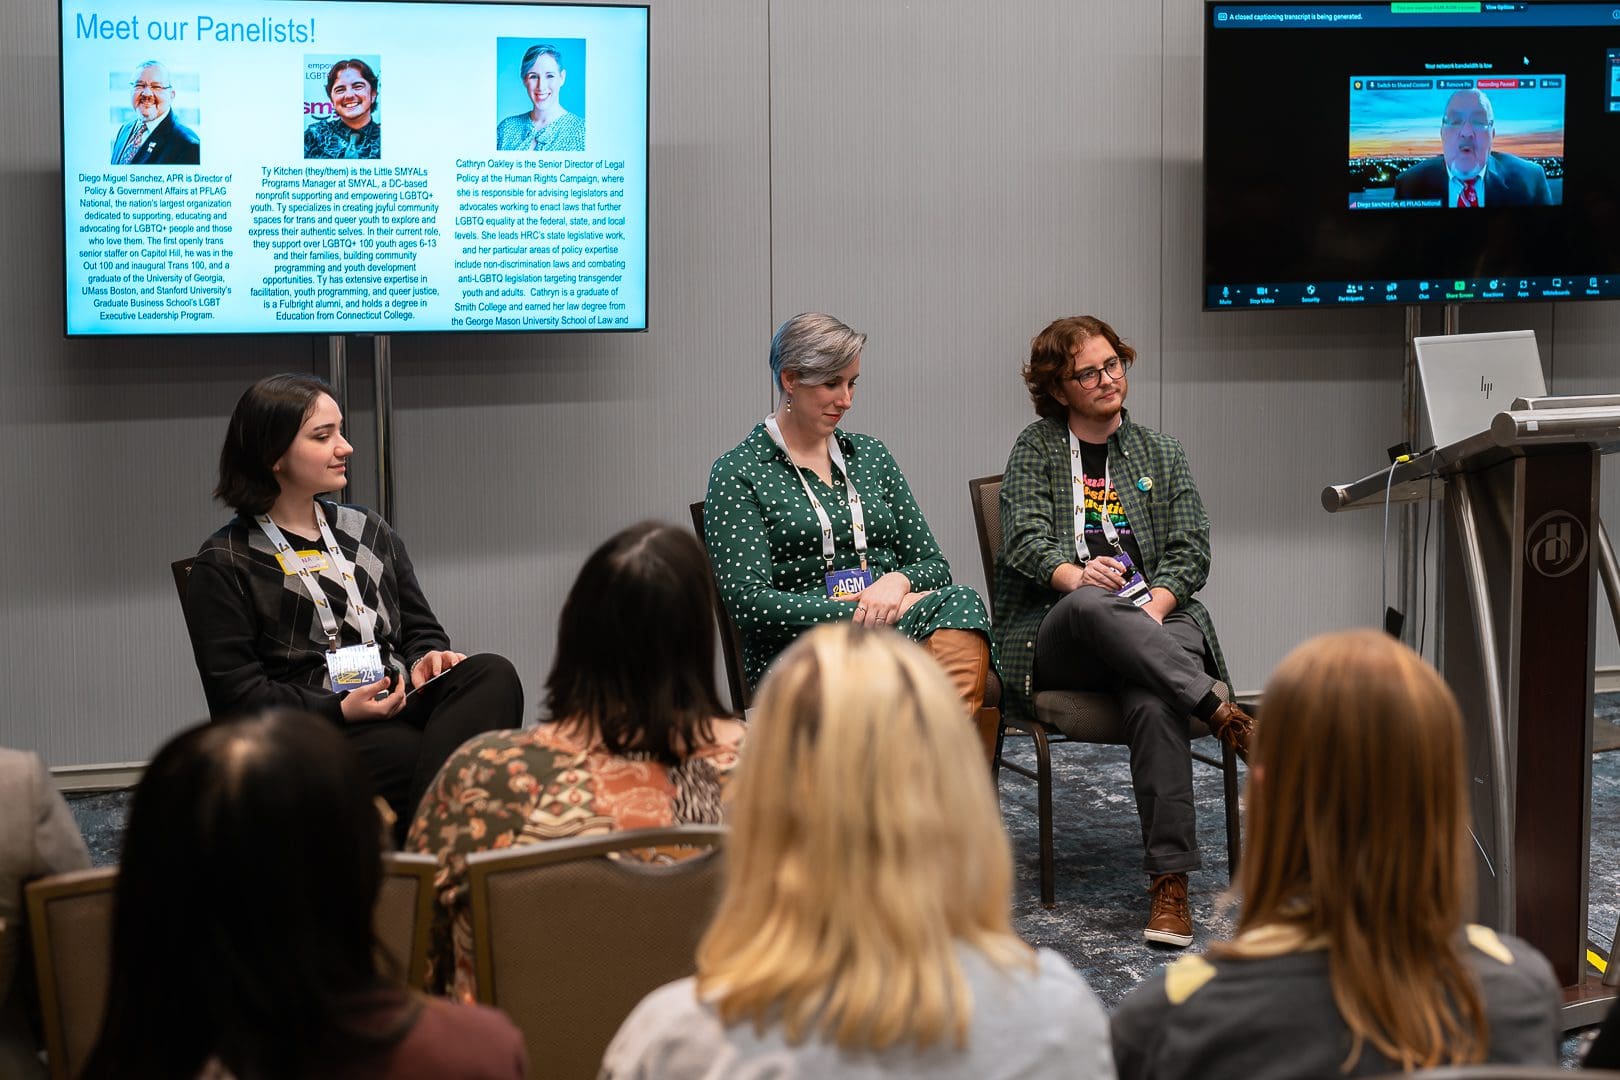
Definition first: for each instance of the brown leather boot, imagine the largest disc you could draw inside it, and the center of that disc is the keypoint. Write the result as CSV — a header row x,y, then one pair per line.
x,y
964,656
1170,920
1233,727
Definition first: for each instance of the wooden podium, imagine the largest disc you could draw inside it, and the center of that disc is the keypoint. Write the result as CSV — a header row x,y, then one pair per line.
x,y
1519,565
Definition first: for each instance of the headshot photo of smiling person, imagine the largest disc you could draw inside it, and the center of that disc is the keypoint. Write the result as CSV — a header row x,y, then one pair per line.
x,y
547,124
352,130
1469,174
154,136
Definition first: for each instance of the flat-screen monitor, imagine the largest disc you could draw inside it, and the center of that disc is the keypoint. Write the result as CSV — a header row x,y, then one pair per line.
x,y
1410,152
301,166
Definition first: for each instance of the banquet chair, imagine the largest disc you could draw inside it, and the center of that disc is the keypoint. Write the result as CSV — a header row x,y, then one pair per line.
x,y
567,938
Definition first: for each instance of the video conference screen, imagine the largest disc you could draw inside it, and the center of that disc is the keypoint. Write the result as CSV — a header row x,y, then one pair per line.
x,y
297,166
1422,152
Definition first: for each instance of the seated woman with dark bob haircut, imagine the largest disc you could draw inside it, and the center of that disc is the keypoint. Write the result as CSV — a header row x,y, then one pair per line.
x,y
1352,955
312,604
242,940
863,926
636,739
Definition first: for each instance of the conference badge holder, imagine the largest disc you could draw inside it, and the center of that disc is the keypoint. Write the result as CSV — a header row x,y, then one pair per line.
x,y
842,584
351,666
354,666
1135,588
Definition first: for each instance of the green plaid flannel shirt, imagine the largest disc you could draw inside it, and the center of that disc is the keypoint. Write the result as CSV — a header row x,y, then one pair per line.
x,y
1037,536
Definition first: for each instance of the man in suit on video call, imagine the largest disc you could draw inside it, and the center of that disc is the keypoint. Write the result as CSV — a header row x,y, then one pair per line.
x,y
1468,174
154,137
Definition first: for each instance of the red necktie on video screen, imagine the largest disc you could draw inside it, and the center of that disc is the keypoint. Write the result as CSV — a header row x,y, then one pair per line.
x,y
1468,199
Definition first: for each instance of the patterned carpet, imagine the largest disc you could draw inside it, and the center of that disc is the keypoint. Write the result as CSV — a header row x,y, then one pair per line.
x,y
1101,898
1100,887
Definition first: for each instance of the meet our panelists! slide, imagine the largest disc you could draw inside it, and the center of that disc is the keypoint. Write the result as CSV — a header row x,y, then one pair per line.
x,y
322,167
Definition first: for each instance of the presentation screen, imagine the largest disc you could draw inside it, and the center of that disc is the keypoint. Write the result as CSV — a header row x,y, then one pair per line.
x,y
296,166
1444,152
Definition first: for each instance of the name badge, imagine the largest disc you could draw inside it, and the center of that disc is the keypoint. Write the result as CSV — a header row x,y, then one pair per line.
x,y
842,583
354,665
1135,588
313,561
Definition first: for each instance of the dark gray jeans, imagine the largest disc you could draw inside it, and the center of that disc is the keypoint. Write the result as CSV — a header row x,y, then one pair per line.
x,y
1093,640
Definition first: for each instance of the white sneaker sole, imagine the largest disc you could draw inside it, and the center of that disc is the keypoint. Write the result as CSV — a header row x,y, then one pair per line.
x,y
1164,937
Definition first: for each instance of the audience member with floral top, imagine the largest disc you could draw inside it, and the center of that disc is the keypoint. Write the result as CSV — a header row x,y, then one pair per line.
x,y
636,738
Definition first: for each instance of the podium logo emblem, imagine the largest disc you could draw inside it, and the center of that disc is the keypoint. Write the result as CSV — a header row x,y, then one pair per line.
x,y
1556,544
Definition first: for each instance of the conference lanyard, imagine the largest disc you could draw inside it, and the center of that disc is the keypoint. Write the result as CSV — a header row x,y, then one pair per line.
x,y
856,516
366,617
1104,520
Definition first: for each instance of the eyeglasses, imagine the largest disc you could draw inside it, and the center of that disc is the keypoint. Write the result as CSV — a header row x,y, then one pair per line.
x,y
1114,366
151,88
1477,120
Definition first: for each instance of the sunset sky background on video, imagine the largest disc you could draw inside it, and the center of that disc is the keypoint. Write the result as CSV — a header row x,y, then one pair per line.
x,y
1406,123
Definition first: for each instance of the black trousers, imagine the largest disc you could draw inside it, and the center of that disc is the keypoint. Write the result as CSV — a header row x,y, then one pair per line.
x,y
403,753
1093,640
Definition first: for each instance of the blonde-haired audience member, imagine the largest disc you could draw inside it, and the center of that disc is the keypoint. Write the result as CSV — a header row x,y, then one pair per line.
x,y
863,929
1352,957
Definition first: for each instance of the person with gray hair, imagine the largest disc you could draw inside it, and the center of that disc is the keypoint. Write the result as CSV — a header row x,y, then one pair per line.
x,y
548,126
153,136
807,523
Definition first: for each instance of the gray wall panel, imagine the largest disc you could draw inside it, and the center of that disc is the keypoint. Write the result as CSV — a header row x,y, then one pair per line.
x,y
518,454
949,176
515,455
107,455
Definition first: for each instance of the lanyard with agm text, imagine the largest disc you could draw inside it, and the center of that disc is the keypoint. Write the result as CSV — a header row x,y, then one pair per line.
x,y
856,516
366,617
1104,521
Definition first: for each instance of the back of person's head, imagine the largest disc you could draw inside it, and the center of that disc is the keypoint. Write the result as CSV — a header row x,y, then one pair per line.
x,y
1358,839
243,918
866,846
635,645
263,425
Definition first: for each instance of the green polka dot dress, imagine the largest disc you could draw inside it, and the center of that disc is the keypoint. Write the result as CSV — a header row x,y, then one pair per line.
x,y
765,543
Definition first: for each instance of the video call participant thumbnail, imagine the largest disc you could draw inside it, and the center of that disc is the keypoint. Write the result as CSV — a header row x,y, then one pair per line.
x,y
1468,173
351,131
154,137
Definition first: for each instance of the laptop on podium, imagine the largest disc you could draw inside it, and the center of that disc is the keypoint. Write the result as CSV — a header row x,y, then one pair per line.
x,y
1468,378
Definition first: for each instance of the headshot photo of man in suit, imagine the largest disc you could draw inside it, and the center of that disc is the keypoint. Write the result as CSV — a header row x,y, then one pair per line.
x,y
1468,173
154,136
